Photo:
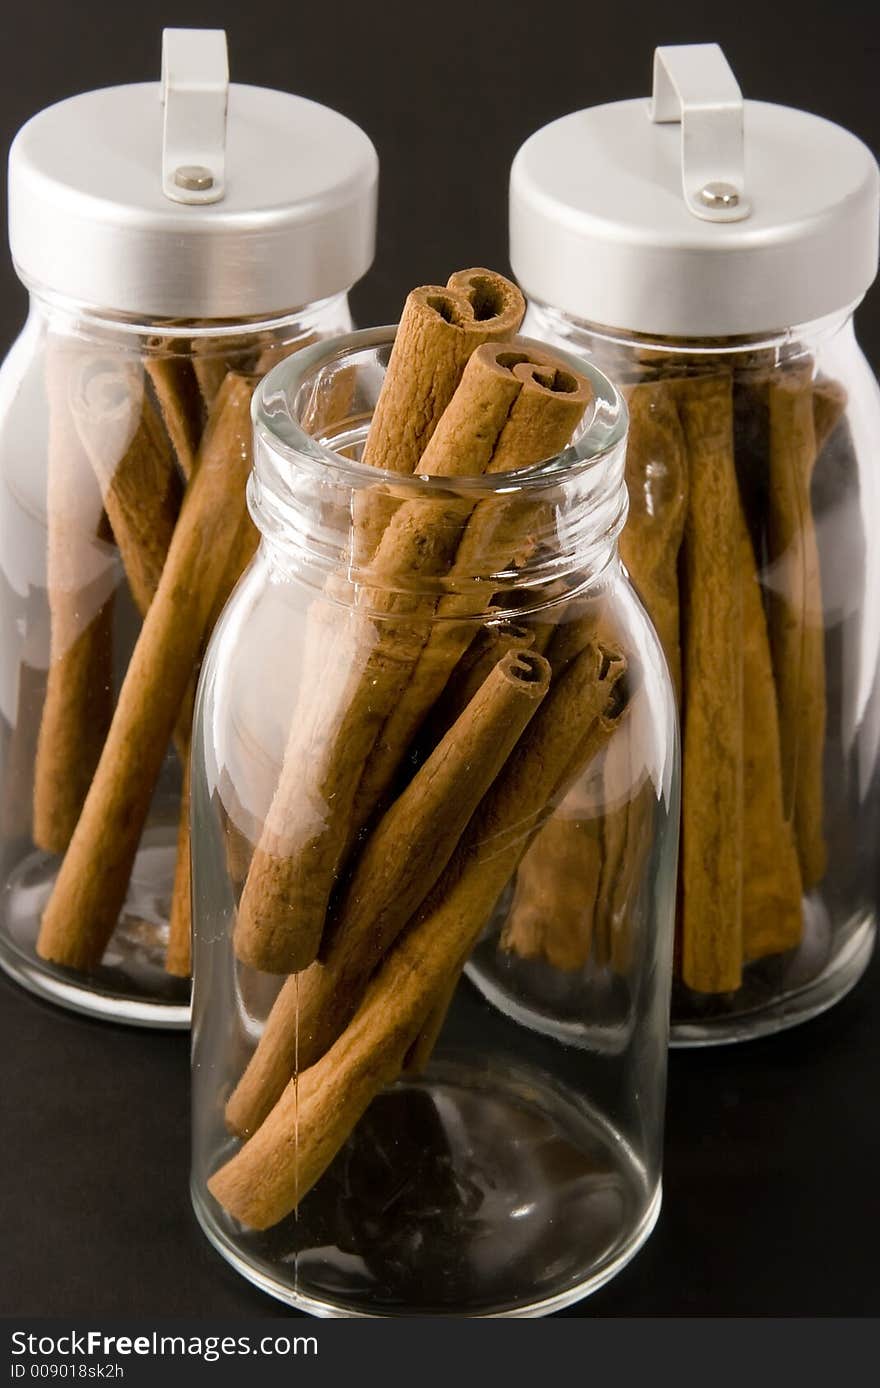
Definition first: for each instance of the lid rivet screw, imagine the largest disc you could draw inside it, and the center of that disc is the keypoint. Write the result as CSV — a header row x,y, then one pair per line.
x,y
195,178
719,195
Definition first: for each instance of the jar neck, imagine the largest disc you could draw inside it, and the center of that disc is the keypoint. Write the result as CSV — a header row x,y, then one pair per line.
x,y
602,342
309,492
68,319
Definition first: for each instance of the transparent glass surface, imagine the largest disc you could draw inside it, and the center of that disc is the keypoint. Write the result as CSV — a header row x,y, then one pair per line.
x,y
101,426
467,1120
781,794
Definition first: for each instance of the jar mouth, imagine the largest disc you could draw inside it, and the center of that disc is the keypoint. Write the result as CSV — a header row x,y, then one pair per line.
x,y
286,390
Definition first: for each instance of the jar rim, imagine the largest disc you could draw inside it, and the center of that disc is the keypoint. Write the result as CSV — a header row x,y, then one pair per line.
x,y
281,433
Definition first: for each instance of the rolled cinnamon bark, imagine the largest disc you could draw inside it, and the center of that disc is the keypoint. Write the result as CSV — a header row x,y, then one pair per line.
x,y
79,691
180,402
313,818
90,889
656,479
419,1054
771,899
473,669
317,1112
399,865
627,834
20,752
178,955
712,781
829,406
796,623
548,411
553,909
140,484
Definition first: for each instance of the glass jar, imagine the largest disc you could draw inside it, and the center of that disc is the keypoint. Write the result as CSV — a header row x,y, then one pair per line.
x,y
159,294
100,427
750,469
457,1109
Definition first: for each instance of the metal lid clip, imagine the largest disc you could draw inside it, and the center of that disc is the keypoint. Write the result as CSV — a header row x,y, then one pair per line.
x,y
194,88
694,85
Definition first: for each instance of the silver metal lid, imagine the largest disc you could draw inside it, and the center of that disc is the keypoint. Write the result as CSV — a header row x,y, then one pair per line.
x,y
696,213
191,197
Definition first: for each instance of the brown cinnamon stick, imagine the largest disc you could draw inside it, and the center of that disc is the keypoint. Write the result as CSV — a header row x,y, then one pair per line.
x,y
656,479
91,885
771,901
712,781
399,865
139,482
551,916
79,693
795,615
180,402
473,669
316,1113
178,953
310,823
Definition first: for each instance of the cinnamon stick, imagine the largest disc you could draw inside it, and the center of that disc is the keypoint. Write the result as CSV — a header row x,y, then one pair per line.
x,y
310,822
656,479
551,916
795,615
829,406
627,835
139,482
90,888
316,1113
79,692
771,899
178,953
473,669
712,781
180,402
399,865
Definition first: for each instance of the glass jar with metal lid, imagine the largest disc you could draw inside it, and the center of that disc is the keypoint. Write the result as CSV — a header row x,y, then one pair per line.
x,y
708,252
176,239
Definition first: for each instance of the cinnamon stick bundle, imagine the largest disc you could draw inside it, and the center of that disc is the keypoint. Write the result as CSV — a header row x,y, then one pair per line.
x,y
492,416
398,866
656,479
440,328
79,693
317,1111
549,409
90,888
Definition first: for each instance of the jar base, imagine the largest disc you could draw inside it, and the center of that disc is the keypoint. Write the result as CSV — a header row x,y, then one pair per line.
x,y
452,1227
130,985
798,1004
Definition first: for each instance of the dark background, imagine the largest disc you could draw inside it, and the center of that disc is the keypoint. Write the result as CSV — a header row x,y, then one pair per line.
x,y
773,1148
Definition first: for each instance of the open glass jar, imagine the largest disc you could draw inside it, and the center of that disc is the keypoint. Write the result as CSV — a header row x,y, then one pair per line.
x,y
124,452
754,428
457,1108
